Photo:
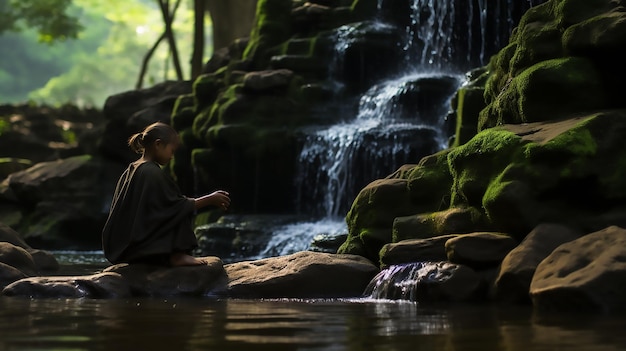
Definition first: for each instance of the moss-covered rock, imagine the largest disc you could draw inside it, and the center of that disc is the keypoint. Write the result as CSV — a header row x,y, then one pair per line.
x,y
547,90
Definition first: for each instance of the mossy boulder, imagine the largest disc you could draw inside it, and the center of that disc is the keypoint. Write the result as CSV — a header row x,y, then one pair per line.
x,y
507,179
565,57
547,90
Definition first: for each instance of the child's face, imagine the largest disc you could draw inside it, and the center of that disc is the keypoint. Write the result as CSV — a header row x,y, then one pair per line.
x,y
164,152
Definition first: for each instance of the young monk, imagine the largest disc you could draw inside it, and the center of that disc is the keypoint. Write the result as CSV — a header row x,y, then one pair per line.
x,y
150,221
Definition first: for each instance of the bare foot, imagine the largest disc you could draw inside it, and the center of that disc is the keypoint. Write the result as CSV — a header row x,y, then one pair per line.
x,y
180,259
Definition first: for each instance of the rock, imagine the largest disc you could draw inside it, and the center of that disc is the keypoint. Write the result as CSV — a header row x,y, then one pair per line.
x,y
426,225
44,260
7,234
102,285
18,258
372,215
151,280
9,274
326,242
10,165
124,280
427,282
300,275
63,201
415,250
479,250
518,267
267,80
585,274
129,112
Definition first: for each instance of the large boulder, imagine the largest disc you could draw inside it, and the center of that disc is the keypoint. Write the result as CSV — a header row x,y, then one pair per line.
x,y
63,203
150,280
564,58
514,176
518,267
300,275
585,274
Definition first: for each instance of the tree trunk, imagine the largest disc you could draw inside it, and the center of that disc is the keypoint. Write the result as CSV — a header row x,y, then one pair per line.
x,y
198,38
232,19
168,18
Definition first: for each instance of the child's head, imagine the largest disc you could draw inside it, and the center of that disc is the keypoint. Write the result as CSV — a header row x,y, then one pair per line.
x,y
153,138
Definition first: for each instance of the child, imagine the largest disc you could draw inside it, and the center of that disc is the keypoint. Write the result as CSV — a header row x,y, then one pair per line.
x,y
150,221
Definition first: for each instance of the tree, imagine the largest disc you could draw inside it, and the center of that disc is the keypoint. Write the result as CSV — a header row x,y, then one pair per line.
x,y
49,17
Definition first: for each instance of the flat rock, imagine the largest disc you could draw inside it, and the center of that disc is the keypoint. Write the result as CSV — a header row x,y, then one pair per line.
x,y
480,249
300,275
415,250
585,274
125,280
270,79
151,280
102,285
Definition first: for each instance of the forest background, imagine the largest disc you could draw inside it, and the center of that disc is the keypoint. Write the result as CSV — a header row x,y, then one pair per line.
x,y
80,52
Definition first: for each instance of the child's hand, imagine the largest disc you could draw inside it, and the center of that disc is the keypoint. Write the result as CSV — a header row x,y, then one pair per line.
x,y
220,199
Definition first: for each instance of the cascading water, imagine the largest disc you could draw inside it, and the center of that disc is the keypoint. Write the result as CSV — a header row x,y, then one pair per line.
x,y
394,120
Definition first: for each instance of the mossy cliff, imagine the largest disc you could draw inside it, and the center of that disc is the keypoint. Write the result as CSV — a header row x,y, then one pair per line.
x,y
239,125
539,139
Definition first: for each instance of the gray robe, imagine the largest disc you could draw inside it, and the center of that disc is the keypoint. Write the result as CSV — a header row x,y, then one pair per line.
x,y
149,217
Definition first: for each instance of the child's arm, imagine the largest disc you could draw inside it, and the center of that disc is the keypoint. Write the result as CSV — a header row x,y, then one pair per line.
x,y
218,198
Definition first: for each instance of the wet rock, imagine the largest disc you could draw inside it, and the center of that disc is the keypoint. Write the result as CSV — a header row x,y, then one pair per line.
x,y
102,285
479,250
63,201
151,280
518,267
44,260
427,282
9,274
329,243
125,280
267,80
425,225
18,258
586,274
415,250
300,275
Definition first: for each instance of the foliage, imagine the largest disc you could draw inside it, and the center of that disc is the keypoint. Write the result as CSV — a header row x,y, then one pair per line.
x,y
103,60
50,18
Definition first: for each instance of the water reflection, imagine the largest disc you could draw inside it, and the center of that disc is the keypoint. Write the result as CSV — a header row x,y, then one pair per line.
x,y
360,324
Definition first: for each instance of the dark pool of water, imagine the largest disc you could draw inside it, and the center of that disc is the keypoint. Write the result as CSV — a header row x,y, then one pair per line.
x,y
208,324
241,325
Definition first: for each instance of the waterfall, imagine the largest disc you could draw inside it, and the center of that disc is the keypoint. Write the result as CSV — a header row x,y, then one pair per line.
x,y
396,113
425,281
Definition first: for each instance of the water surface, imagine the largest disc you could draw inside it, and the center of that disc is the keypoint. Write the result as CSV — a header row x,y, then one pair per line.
x,y
360,324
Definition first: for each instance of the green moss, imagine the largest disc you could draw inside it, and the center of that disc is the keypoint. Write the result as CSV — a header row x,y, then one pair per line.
x,y
475,164
272,27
